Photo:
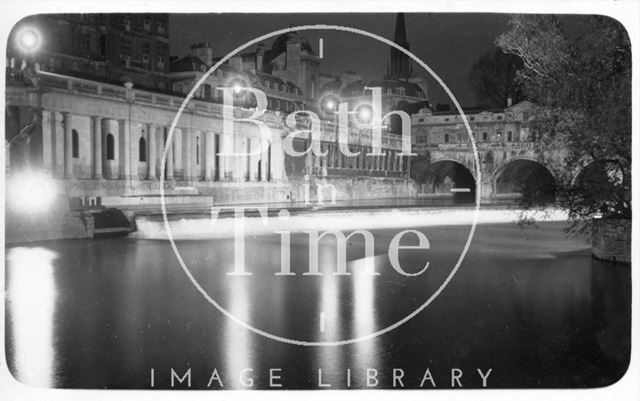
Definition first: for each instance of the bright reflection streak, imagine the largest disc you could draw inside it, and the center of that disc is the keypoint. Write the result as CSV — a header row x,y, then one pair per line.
x,y
31,298
364,317
31,192
330,359
239,352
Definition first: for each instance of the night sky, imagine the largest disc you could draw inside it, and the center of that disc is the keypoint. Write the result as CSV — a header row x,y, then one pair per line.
x,y
448,43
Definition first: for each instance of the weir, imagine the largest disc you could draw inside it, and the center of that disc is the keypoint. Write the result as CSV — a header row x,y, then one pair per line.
x,y
199,226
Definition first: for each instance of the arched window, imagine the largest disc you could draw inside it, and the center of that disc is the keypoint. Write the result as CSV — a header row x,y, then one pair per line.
x,y
110,147
198,150
509,136
446,138
142,149
75,144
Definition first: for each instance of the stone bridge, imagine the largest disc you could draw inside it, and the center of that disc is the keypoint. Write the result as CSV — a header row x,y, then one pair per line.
x,y
506,169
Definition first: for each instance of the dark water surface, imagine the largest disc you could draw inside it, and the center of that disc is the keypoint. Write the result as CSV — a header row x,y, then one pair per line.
x,y
530,304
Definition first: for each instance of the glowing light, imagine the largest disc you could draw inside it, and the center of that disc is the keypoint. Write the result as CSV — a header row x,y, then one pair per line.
x,y
364,114
237,88
28,39
31,192
330,104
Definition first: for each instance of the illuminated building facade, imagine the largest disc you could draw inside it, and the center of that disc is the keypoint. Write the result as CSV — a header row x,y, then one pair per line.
x,y
99,126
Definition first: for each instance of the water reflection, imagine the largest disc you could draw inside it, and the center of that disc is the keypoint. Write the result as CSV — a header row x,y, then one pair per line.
x,y
31,298
238,354
365,353
97,314
329,322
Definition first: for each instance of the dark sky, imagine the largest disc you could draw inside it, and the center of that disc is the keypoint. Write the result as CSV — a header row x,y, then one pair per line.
x,y
448,43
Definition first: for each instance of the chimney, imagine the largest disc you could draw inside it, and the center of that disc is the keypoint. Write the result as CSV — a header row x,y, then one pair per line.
x,y
259,57
293,68
203,51
236,62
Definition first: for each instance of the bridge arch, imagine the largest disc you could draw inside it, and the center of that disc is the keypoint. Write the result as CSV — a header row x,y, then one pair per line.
x,y
602,183
448,177
598,173
524,177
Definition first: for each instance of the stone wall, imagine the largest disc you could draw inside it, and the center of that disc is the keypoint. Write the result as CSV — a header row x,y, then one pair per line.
x,y
352,188
611,239
57,223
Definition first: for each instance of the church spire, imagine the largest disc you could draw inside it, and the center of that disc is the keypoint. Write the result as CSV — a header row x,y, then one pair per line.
x,y
400,63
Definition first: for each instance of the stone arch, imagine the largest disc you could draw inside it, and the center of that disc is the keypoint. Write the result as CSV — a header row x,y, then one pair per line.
x,y
602,184
597,173
451,178
524,177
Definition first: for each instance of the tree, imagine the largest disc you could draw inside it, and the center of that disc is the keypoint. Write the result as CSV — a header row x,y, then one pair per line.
x,y
578,70
493,79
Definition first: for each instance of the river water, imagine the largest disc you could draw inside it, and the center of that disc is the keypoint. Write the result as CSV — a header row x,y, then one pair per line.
x,y
528,303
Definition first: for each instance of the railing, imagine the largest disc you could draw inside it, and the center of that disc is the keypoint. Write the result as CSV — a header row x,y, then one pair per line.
x,y
57,82
479,145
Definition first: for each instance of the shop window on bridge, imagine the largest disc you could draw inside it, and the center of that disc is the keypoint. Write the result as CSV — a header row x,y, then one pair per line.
x,y
110,147
446,138
75,144
485,136
142,150
509,136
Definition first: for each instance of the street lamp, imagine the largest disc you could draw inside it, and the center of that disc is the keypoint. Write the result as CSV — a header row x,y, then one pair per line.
x,y
329,104
28,39
364,114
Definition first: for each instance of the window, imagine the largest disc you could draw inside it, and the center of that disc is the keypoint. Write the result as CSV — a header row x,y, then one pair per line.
x,y
207,91
147,24
142,149
198,150
75,145
499,117
83,43
110,147
509,136
146,47
103,45
525,115
499,135
125,47
446,138
485,136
